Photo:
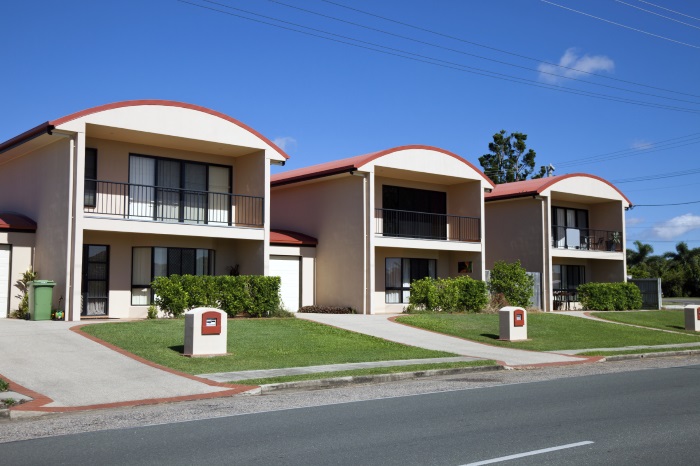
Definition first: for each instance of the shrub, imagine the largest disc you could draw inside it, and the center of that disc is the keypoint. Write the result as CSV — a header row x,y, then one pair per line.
x,y
152,312
170,296
461,294
327,310
4,385
610,296
513,281
497,301
23,285
256,295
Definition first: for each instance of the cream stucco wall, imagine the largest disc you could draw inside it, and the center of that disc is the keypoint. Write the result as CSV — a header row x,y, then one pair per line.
x,y
37,185
21,259
514,232
330,210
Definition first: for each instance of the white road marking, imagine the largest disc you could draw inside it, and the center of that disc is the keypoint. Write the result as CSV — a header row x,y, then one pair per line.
x,y
529,453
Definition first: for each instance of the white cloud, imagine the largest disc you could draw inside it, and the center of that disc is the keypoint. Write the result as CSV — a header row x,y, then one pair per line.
x,y
634,221
576,65
676,226
641,145
285,143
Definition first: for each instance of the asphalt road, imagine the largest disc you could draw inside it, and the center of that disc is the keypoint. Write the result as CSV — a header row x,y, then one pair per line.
x,y
631,417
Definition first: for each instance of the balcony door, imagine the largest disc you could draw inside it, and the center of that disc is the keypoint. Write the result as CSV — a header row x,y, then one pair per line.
x,y
414,213
569,225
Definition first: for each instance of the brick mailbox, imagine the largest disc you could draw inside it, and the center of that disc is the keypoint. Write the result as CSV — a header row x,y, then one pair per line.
x,y
512,323
692,317
205,332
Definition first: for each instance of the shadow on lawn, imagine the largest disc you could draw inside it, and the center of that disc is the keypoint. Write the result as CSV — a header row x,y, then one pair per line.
x,y
178,348
490,335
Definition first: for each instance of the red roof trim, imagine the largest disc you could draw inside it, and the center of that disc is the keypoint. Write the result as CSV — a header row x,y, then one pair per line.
x,y
291,238
532,187
18,222
354,163
134,103
26,136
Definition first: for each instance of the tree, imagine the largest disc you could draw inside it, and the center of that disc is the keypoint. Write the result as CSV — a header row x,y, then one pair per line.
x,y
508,160
640,255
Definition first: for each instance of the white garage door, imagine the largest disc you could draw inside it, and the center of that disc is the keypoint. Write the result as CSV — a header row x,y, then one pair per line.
x,y
287,268
4,279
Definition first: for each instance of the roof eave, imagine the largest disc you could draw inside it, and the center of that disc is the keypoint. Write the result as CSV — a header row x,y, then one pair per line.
x,y
44,128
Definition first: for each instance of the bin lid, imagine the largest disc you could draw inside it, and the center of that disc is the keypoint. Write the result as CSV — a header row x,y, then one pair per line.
x,y
43,283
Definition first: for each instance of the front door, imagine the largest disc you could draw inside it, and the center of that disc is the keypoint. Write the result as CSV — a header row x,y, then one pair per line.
x,y
95,280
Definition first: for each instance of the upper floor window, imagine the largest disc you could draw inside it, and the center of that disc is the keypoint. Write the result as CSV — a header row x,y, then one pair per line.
x,y
179,191
569,226
90,190
415,213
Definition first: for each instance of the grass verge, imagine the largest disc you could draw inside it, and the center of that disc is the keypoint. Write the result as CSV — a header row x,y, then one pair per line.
x,y
664,320
370,371
255,344
546,332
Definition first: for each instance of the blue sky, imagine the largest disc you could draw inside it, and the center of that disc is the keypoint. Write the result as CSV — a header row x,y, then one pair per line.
x,y
323,99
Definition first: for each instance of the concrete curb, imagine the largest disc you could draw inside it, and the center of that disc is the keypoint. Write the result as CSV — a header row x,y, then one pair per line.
x,y
337,382
660,354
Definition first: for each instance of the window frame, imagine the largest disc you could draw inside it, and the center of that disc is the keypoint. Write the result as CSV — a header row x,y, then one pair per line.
x,y
90,182
403,290
211,260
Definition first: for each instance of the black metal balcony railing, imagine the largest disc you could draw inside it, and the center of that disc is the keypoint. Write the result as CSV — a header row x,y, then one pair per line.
x,y
143,202
586,239
422,225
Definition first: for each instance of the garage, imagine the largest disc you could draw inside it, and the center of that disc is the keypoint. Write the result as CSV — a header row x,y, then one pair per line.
x,y
4,279
288,268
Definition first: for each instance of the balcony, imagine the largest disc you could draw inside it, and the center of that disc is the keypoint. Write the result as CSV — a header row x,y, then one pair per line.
x,y
422,225
586,239
173,205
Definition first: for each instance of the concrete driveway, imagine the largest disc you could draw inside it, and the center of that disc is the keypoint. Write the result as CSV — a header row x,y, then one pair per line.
x,y
68,370
380,326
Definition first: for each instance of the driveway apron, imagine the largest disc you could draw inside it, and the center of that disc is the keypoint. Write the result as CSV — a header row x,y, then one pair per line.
x,y
48,358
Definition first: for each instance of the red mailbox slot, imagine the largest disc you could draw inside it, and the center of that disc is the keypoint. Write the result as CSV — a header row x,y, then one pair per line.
x,y
519,318
697,313
211,323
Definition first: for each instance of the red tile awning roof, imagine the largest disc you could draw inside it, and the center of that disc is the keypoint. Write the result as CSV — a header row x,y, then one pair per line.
x,y
537,186
337,167
291,238
10,221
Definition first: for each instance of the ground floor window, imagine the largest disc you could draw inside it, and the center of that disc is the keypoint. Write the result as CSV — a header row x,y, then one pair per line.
x,y
568,277
400,272
149,263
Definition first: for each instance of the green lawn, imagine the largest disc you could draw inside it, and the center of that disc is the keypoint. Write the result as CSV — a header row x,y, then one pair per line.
x,y
255,344
370,371
546,332
665,320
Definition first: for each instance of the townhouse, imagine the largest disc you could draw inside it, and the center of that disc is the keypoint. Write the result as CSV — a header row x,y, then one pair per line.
x,y
569,229
378,221
103,200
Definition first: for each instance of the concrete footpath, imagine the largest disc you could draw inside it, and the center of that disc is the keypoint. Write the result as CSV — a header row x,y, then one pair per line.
x,y
380,326
63,369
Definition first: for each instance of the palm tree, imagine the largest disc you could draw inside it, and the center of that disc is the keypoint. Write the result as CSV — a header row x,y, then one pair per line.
x,y
640,255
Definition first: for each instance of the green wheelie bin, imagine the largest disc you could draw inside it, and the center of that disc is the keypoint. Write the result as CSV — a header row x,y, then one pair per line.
x,y
40,299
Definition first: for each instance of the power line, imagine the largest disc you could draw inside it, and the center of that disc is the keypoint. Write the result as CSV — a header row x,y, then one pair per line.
x,y
429,60
658,176
437,33
668,9
665,205
660,188
621,25
657,14
501,62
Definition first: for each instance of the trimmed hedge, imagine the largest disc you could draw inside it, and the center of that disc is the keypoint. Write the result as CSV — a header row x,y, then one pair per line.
x,y
327,310
257,295
460,294
610,296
